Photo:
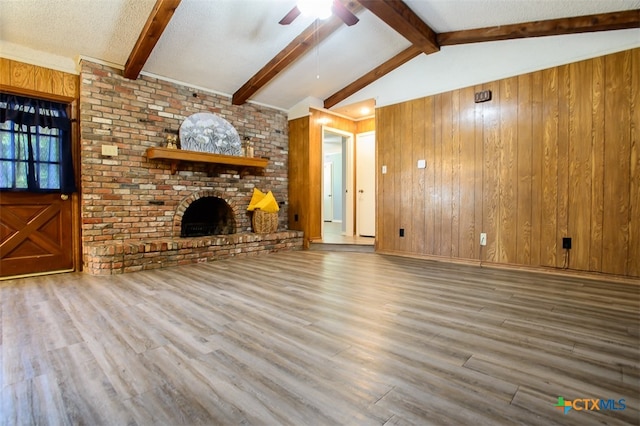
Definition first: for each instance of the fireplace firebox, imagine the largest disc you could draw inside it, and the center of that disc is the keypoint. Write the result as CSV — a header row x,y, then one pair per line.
x,y
208,216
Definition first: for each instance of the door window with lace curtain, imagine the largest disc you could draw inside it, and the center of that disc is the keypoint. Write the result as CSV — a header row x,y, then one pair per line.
x,y
35,146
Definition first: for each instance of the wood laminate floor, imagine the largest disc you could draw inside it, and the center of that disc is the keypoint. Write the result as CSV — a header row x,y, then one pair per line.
x,y
332,234
317,338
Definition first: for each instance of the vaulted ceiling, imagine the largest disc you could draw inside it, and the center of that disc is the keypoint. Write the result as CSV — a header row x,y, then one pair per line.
x,y
398,50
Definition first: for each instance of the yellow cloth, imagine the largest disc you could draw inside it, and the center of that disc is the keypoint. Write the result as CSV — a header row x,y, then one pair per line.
x,y
255,199
268,203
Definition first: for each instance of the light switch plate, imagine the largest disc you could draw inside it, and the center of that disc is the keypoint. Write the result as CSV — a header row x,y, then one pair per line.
x,y
384,170
110,150
422,164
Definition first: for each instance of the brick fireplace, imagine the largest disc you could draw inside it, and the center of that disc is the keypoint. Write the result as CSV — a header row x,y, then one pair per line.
x,y
204,213
133,207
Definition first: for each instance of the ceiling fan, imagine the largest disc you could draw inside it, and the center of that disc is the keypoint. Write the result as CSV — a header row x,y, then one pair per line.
x,y
322,9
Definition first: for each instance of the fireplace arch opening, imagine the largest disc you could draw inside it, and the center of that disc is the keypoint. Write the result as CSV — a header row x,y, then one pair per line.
x,y
208,216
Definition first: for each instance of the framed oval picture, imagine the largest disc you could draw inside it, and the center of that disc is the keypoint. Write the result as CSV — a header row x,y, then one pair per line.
x,y
206,132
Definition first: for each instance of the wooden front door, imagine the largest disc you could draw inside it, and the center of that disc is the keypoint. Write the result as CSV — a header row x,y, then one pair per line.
x,y
35,234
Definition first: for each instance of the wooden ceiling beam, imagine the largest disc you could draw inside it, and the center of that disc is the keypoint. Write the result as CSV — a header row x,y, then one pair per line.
x,y
381,70
551,27
156,23
401,18
314,33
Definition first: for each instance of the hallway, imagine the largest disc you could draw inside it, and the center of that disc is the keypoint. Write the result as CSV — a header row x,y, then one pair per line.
x,y
333,235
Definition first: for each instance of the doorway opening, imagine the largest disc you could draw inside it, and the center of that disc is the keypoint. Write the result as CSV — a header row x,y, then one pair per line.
x,y
339,198
337,183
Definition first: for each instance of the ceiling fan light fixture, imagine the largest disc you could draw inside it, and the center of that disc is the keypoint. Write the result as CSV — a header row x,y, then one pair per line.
x,y
320,9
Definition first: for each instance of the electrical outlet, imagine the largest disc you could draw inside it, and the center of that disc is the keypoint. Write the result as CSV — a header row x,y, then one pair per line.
x,y
402,232
384,170
566,243
483,239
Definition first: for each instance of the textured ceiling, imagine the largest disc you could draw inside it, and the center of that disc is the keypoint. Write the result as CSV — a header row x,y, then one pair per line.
x,y
219,45
452,15
103,29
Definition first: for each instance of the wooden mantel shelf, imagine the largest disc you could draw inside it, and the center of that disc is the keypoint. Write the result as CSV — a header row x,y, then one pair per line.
x,y
175,156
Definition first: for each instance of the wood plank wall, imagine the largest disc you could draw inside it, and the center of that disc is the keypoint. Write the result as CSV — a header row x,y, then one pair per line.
x,y
305,169
299,175
33,80
366,125
554,154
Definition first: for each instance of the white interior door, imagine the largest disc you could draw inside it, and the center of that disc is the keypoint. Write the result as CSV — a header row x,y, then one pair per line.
x,y
349,199
327,188
366,184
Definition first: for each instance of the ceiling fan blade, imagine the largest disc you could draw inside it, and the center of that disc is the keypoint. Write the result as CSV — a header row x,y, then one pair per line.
x,y
343,13
289,17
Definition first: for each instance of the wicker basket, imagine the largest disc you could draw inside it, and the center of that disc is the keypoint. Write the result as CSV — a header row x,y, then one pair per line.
x,y
264,222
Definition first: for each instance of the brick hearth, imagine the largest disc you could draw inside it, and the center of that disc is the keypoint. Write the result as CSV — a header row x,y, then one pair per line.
x,y
118,257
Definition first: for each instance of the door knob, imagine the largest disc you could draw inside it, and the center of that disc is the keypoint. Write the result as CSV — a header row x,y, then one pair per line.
x,y
361,191
64,197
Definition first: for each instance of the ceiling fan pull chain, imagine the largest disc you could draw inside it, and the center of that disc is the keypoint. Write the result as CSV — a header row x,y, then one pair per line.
x,y
317,37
